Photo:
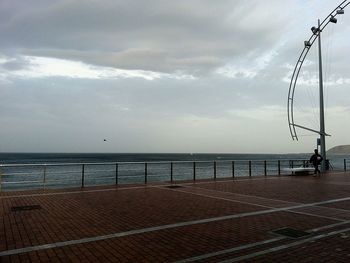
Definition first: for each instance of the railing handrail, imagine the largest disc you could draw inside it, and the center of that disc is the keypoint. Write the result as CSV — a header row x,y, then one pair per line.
x,y
143,162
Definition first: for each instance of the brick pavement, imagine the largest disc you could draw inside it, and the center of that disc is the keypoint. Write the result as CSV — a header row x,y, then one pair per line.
x,y
227,220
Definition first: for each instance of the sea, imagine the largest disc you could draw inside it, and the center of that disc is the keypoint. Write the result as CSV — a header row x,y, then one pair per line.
x,y
24,171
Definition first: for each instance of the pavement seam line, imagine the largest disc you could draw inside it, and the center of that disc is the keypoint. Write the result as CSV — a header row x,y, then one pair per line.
x,y
156,228
248,203
278,248
258,197
251,245
230,250
268,199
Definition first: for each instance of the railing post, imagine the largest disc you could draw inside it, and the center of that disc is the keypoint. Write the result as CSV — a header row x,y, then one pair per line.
x,y
44,179
82,175
279,167
116,173
233,169
194,171
171,172
292,163
250,168
265,168
214,170
146,173
344,164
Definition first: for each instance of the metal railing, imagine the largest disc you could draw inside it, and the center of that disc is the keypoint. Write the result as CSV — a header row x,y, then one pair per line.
x,y
62,175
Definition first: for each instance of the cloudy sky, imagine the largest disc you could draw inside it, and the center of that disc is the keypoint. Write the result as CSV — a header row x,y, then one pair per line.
x,y
167,76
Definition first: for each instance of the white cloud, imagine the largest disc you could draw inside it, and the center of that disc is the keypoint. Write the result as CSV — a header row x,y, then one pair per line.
x,y
43,67
253,67
233,71
311,78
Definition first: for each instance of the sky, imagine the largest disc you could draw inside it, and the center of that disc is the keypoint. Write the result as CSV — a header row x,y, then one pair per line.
x,y
185,76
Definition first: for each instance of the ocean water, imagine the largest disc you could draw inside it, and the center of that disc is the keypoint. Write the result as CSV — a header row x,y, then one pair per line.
x,y
30,158
60,170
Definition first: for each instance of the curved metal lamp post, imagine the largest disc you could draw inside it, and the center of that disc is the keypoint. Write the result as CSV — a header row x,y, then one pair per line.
x,y
316,34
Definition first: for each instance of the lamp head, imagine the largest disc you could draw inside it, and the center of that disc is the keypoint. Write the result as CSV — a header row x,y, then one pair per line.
x,y
307,43
314,30
333,19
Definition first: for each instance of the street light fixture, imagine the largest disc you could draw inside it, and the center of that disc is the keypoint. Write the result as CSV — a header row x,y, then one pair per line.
x,y
333,20
307,43
314,30
316,35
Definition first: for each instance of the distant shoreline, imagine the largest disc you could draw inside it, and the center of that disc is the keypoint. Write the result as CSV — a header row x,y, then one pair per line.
x,y
340,150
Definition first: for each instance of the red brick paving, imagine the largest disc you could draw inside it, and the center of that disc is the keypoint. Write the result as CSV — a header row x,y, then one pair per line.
x,y
330,249
83,214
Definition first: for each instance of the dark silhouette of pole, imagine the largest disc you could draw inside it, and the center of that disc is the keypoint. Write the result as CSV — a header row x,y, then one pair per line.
x,y
322,125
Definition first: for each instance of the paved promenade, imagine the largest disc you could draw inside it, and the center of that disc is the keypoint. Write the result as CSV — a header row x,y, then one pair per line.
x,y
206,221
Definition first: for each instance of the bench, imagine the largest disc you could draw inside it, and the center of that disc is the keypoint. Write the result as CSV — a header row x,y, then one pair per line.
x,y
300,170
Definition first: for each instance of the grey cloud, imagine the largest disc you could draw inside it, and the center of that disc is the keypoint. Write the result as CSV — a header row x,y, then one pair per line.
x,y
191,36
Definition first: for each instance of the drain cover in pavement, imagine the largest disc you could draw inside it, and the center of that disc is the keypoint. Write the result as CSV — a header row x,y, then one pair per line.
x,y
291,232
25,208
174,186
